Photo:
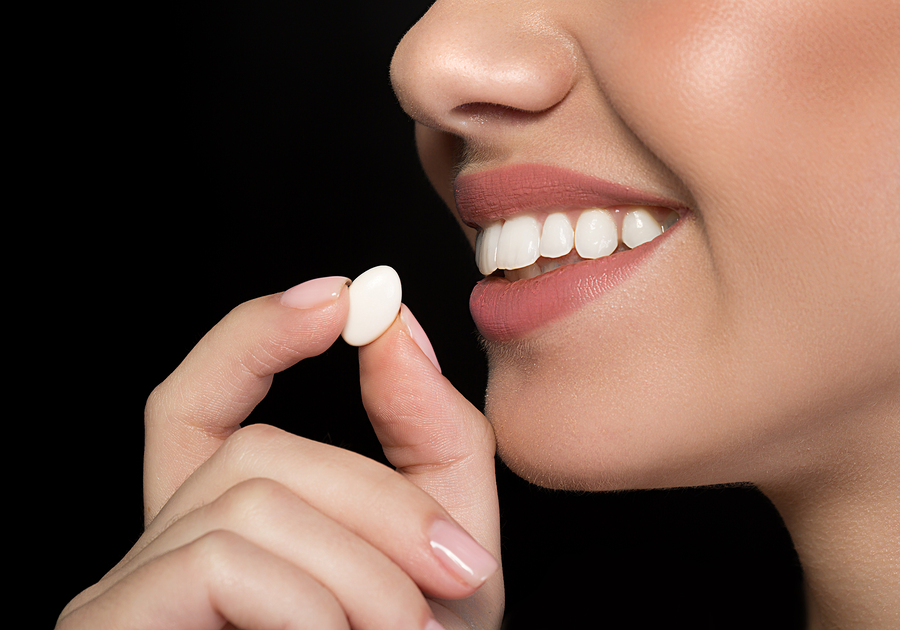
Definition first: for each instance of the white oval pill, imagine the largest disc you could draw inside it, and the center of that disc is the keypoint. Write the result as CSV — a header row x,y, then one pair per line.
x,y
374,303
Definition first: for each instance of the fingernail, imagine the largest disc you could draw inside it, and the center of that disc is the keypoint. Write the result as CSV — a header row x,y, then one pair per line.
x,y
433,625
314,293
418,335
459,552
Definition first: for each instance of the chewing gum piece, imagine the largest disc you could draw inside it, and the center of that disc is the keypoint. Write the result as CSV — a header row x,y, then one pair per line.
x,y
374,304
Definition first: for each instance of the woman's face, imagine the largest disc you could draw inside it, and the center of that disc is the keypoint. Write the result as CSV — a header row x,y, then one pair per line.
x,y
744,341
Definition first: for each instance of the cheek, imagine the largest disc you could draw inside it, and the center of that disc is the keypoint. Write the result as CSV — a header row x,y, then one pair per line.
x,y
783,119
709,76
734,80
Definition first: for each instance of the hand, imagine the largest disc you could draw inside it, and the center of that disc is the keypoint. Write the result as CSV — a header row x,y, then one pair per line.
x,y
256,528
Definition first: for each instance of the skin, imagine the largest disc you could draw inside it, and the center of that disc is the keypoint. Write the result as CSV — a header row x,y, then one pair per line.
x,y
257,528
761,343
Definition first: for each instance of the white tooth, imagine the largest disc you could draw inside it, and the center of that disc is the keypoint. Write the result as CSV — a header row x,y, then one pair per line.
x,y
558,236
595,234
639,227
519,242
486,249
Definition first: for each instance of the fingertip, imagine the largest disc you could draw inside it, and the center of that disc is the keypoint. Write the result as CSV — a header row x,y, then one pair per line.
x,y
417,333
315,293
459,553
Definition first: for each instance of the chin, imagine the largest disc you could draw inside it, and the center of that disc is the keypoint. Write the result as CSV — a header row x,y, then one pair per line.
x,y
577,428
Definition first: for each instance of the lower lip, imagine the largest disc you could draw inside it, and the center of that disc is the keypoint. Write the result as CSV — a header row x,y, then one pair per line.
x,y
504,310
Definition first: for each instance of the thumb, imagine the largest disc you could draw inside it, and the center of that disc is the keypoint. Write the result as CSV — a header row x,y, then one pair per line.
x,y
433,436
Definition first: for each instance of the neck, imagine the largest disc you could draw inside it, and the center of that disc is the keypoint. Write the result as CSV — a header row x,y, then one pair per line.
x,y
846,528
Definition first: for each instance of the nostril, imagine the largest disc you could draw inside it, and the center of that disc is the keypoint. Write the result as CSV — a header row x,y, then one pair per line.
x,y
492,112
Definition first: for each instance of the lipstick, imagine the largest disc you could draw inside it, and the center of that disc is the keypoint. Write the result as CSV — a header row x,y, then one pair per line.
x,y
496,194
505,310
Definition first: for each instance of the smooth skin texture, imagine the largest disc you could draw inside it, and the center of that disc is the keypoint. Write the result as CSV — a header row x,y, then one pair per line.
x,y
258,528
765,333
762,343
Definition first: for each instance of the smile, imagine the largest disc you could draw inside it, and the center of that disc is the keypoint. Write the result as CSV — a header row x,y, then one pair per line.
x,y
551,240
526,246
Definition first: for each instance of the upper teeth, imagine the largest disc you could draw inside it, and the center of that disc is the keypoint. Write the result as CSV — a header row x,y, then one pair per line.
x,y
518,242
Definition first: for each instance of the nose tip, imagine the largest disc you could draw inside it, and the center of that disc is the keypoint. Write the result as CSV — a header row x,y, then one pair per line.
x,y
460,67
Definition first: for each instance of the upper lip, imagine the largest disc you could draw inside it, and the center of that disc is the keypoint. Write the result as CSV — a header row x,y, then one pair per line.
x,y
488,196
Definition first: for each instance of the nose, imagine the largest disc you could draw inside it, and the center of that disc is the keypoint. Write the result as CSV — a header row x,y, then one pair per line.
x,y
468,62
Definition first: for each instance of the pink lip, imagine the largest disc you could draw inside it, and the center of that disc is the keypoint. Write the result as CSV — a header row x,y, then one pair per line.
x,y
505,310
492,195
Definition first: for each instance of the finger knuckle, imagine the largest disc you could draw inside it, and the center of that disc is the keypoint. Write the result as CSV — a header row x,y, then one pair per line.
x,y
256,500
213,552
220,558
249,446
157,400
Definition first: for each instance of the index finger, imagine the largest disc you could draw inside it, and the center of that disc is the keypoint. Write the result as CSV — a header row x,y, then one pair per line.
x,y
228,373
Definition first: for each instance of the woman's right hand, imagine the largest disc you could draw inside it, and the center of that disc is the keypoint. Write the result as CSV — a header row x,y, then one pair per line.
x,y
257,528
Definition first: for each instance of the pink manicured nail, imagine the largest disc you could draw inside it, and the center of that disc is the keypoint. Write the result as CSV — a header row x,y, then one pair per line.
x,y
459,552
418,335
433,625
314,293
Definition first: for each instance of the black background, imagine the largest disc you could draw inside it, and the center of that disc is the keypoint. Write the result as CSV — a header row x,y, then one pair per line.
x,y
179,160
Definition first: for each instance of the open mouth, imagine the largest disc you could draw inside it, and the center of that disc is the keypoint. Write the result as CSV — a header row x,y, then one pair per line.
x,y
527,245
551,240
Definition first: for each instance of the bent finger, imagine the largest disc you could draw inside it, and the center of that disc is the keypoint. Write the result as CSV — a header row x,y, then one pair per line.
x,y
373,591
216,580
228,373
367,498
